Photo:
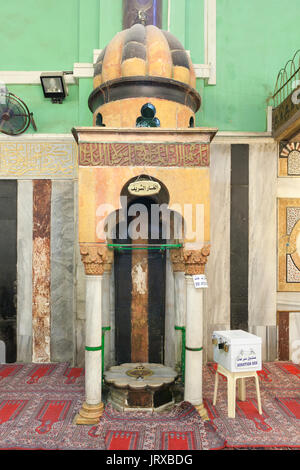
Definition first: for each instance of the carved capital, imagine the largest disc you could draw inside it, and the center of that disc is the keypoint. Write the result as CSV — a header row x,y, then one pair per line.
x,y
96,258
177,260
108,261
195,260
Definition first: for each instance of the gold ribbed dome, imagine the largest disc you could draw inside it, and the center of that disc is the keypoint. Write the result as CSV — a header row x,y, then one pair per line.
x,y
144,65
144,51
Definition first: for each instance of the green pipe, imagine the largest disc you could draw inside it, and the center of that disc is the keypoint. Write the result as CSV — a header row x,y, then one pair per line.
x,y
183,331
104,329
118,246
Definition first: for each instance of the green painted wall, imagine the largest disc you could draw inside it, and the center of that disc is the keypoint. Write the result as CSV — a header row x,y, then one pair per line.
x,y
254,40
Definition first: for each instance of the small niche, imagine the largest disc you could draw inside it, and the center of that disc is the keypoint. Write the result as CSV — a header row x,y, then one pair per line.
x,y
99,120
147,118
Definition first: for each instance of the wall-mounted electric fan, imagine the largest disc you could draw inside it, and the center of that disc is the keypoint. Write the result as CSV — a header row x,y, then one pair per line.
x,y
15,116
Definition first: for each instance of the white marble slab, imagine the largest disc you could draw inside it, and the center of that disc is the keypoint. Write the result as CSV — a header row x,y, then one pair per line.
x,y
294,337
288,301
62,272
217,296
24,271
288,187
262,235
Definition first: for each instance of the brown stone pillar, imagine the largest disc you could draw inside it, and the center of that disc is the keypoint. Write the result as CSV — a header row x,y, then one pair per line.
x,y
139,303
41,273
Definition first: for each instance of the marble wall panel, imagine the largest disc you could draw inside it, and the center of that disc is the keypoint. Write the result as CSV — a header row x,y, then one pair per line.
x,y
41,271
294,337
62,272
289,301
268,335
262,235
217,296
24,271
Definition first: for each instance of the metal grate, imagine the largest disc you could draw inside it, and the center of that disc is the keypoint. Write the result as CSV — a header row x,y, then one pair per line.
x,y
288,79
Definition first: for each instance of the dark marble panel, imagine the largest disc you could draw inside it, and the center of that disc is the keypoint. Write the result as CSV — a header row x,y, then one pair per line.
x,y
240,164
156,308
239,235
8,266
8,334
123,287
239,315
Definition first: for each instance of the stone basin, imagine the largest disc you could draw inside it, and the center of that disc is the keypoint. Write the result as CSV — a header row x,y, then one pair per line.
x,y
140,385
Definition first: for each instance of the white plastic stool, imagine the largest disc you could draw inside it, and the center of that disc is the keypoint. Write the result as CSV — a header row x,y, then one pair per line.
x,y
231,388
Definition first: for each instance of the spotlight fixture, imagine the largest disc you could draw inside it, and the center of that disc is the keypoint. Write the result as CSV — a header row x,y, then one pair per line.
x,y
54,86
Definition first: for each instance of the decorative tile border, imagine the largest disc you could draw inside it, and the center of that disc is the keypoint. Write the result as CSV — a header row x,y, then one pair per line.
x,y
38,160
288,255
140,154
289,159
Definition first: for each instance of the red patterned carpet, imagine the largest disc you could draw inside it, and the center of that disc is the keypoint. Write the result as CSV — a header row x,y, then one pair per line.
x,y
38,403
278,426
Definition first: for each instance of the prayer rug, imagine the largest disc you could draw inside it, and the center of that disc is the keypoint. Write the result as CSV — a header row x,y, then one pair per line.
x,y
38,403
279,424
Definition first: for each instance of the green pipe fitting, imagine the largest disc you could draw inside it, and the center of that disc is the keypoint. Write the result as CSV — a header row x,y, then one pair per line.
x,y
183,336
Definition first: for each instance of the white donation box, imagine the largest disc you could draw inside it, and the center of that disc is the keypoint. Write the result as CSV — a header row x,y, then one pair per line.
x,y
237,350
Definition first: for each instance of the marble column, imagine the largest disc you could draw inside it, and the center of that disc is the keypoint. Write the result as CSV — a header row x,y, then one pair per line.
x,y
106,313
170,338
195,261
94,258
180,299
93,343
112,352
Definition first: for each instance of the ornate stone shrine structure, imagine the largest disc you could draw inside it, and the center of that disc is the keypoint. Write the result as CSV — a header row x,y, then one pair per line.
x,y
144,103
